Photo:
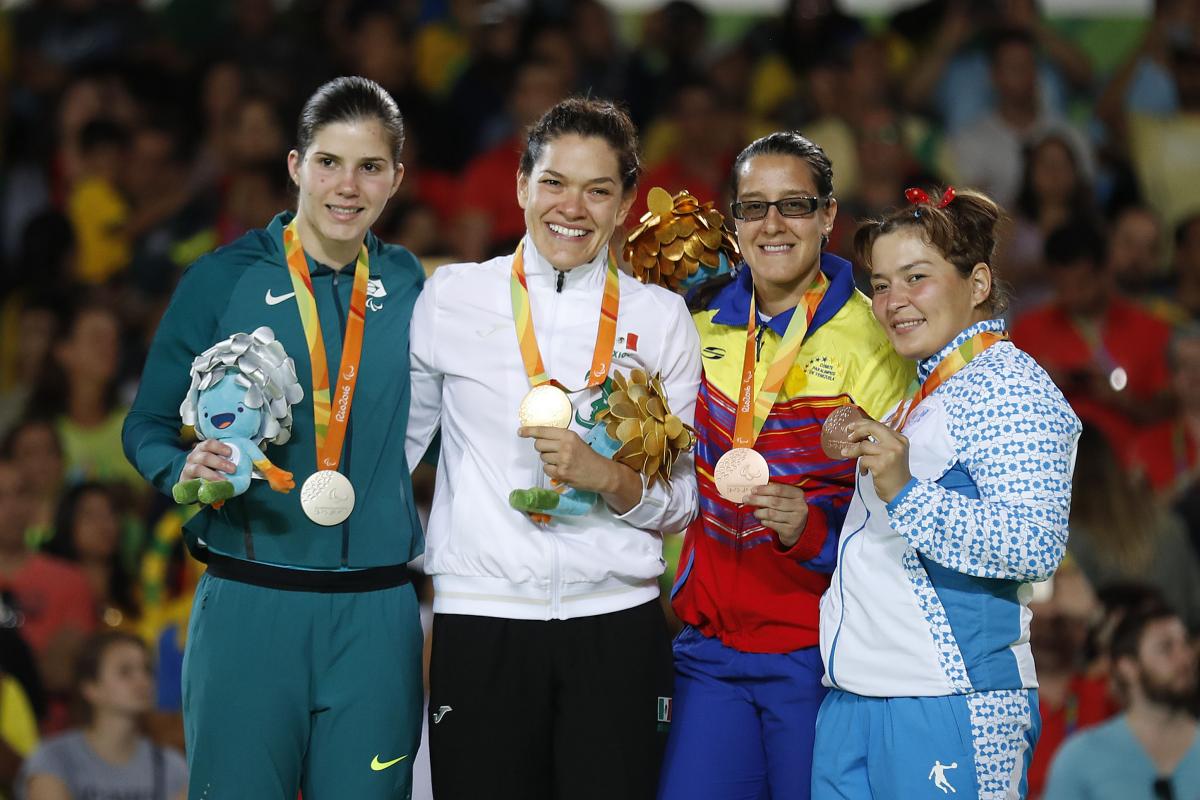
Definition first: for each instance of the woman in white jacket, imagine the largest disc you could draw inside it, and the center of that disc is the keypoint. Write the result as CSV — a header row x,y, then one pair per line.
x,y
551,666
961,501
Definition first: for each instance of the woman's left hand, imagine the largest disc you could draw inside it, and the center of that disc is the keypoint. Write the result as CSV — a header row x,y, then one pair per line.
x,y
782,508
568,459
883,452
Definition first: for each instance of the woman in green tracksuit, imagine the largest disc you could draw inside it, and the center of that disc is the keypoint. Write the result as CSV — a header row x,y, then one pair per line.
x,y
303,668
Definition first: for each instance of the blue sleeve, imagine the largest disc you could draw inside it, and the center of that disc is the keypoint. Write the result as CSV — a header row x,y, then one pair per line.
x,y
1017,442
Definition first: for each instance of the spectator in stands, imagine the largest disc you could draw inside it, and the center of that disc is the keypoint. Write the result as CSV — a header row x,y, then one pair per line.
x,y
29,324
52,596
18,732
1106,354
603,57
668,51
490,220
34,444
1119,534
1144,83
990,151
1187,266
1070,695
1167,454
87,532
951,72
787,48
108,757
1055,190
1151,750
699,156
81,391
98,210
1135,257
1161,147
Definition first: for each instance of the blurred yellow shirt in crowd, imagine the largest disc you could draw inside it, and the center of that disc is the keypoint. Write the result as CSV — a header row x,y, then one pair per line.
x,y
95,454
1164,156
98,214
18,726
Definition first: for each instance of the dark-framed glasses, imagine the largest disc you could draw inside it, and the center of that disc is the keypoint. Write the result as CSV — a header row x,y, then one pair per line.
x,y
751,210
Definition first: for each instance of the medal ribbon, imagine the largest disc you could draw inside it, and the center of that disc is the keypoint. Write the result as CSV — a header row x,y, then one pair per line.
x,y
752,412
952,363
330,427
606,331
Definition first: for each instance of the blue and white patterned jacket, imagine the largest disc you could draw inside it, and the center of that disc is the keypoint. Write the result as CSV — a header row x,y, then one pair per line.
x,y
931,590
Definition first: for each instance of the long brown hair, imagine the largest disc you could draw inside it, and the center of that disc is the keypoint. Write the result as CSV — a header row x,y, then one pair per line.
x,y
1108,508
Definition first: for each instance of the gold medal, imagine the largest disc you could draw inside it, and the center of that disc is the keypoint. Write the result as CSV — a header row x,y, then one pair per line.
x,y
546,405
327,497
738,472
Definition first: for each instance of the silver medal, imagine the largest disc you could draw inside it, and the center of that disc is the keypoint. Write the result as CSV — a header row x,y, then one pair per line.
x,y
327,497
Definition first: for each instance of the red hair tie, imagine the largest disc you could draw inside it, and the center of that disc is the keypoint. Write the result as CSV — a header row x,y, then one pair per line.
x,y
918,196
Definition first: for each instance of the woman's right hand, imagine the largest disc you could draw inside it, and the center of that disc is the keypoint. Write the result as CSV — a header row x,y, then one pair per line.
x,y
209,460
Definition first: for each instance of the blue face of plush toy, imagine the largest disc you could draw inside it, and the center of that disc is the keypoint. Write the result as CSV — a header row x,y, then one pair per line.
x,y
222,413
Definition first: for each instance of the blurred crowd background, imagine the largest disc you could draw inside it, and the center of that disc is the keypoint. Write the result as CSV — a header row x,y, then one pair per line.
x,y
137,136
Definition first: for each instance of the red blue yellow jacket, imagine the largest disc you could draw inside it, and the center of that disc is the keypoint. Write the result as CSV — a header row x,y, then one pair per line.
x,y
736,581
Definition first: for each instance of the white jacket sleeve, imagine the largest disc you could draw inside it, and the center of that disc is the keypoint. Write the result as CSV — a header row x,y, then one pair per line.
x,y
670,507
425,381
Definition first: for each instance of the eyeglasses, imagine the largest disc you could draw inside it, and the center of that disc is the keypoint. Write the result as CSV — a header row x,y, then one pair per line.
x,y
752,210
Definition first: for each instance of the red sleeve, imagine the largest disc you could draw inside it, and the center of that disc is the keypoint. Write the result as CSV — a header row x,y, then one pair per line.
x,y
812,539
78,603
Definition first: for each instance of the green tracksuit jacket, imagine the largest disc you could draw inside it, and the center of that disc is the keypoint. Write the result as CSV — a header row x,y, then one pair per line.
x,y
237,289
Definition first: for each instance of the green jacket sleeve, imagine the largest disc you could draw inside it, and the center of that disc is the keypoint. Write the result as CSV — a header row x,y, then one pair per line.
x,y
150,435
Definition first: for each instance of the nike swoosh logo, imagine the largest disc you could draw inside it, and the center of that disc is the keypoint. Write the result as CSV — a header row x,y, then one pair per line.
x,y
378,765
441,712
274,300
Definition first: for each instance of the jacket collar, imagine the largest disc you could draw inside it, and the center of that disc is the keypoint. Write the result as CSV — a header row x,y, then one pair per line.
x,y
927,365
732,303
538,268
275,243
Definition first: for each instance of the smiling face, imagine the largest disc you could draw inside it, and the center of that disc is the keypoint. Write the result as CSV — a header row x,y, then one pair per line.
x,y
222,413
573,199
784,253
345,177
921,299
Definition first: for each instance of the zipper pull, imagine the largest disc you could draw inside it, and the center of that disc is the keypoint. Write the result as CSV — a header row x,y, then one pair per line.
x,y
758,341
558,288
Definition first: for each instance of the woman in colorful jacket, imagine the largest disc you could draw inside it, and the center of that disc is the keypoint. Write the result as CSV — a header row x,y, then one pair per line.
x,y
303,661
784,343
961,501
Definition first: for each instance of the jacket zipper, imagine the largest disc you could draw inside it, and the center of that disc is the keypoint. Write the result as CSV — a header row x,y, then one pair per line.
x,y
345,460
841,582
555,565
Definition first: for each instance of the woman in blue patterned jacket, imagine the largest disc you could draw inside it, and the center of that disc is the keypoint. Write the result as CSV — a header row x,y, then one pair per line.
x,y
961,502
